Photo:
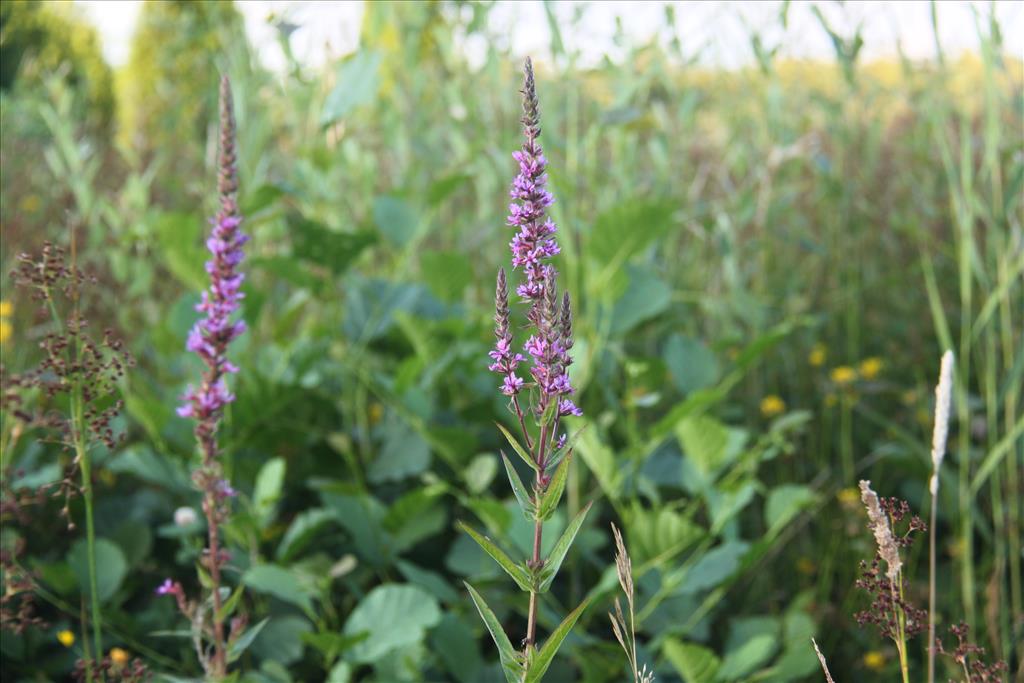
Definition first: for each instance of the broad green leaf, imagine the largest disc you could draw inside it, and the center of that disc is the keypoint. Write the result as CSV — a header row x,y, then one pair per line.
x,y
561,549
602,462
340,673
405,453
715,567
456,645
282,583
542,660
659,533
325,246
784,502
691,362
430,581
520,451
356,84
111,567
447,273
705,443
395,616
304,528
518,573
242,643
645,297
510,659
480,472
178,236
280,641
627,228
551,497
331,644
751,654
695,663
267,492
395,219
522,495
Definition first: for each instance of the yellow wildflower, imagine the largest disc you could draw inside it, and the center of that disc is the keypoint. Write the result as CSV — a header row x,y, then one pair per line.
x,y
118,656
66,638
874,660
806,566
6,309
870,367
5,330
849,496
843,374
817,355
772,405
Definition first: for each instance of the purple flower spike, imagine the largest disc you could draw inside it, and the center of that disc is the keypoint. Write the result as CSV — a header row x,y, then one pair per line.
x,y
550,316
211,335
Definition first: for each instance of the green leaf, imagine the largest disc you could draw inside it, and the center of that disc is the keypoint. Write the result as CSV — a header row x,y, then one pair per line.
x,y
715,567
705,443
280,641
330,645
692,364
405,453
356,84
456,645
447,273
695,663
267,492
518,573
522,495
553,495
748,656
227,608
279,582
627,228
179,237
479,474
111,567
561,549
395,219
510,659
542,660
644,298
520,451
394,616
784,502
242,643
304,528
340,673
325,246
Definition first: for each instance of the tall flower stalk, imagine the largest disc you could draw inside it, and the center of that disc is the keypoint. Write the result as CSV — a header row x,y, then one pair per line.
x,y
209,339
539,402
943,394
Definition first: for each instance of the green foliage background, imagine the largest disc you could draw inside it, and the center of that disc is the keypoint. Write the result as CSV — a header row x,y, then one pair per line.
x,y
729,236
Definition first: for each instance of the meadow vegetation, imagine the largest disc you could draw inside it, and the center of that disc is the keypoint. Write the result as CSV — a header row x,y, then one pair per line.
x,y
765,266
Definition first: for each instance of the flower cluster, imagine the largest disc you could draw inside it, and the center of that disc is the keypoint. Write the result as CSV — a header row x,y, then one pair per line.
x,y
977,670
532,246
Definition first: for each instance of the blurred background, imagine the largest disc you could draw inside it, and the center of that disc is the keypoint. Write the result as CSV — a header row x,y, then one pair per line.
x,y
773,218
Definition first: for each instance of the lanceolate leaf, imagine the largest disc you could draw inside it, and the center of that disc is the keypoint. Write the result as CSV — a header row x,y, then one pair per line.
x,y
558,553
553,494
542,660
518,573
522,495
557,456
522,452
509,657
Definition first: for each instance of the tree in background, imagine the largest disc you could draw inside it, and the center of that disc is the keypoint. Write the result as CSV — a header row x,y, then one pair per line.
x,y
38,39
168,89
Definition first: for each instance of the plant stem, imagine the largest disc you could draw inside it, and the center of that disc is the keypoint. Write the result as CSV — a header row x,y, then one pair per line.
x,y
931,584
531,621
219,663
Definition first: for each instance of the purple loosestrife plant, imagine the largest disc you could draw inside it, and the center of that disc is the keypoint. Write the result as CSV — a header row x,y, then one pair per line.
x,y
542,399
209,339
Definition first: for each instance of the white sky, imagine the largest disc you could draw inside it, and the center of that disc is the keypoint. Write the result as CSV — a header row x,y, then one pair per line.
x,y
718,30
